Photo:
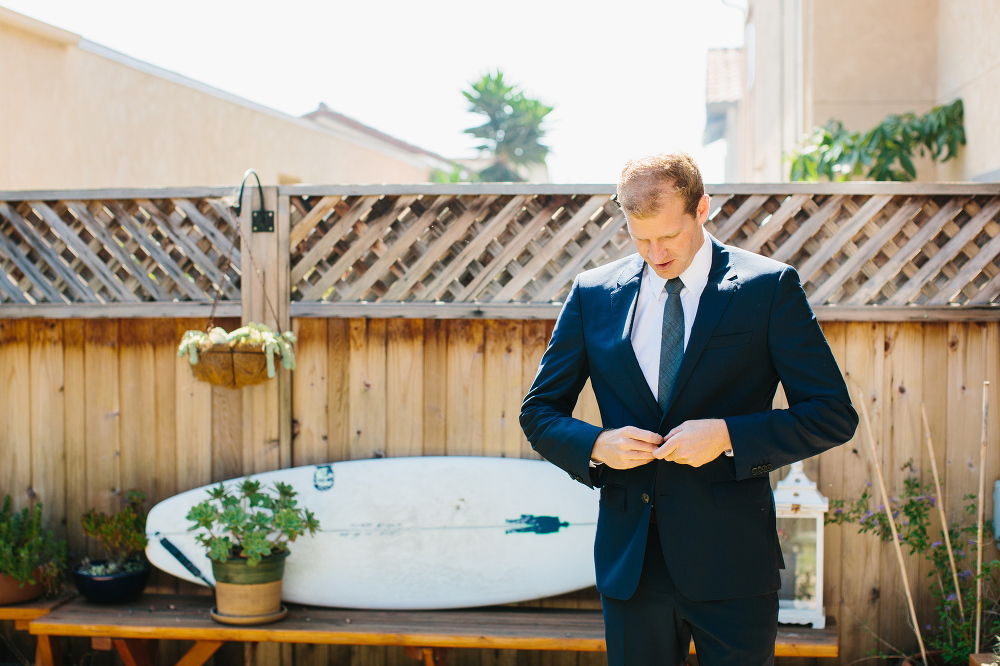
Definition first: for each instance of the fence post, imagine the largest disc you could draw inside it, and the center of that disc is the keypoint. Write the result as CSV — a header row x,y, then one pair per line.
x,y
267,407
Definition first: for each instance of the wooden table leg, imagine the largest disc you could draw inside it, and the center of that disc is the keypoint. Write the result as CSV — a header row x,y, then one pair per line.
x,y
48,651
199,653
134,651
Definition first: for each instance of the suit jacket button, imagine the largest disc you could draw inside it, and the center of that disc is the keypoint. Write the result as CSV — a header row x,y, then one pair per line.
x,y
769,467
755,470
645,498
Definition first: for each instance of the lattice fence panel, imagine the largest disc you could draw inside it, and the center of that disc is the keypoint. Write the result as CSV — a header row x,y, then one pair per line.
x,y
452,248
117,250
495,246
850,249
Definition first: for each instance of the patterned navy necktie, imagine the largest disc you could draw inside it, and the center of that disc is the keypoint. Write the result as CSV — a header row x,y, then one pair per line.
x,y
672,344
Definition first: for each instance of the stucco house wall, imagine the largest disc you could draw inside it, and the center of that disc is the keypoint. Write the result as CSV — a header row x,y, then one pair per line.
x,y
78,115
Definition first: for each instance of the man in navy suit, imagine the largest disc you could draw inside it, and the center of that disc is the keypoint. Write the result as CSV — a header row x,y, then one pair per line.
x,y
684,344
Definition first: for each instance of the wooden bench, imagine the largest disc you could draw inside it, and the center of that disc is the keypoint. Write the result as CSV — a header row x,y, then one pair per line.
x,y
425,634
22,614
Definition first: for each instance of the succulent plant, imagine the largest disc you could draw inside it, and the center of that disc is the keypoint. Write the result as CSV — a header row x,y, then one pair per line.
x,y
249,521
122,535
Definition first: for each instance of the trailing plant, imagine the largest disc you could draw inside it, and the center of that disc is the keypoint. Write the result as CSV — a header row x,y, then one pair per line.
x,y
950,632
885,152
245,520
29,553
253,335
122,535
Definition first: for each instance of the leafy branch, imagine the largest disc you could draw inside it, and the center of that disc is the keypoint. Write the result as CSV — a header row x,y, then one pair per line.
x,y
885,152
951,633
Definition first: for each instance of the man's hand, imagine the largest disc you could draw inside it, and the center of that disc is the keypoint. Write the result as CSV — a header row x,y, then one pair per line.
x,y
626,447
695,442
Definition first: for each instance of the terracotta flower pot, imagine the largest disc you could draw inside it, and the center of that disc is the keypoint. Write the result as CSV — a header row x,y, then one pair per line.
x,y
249,595
13,592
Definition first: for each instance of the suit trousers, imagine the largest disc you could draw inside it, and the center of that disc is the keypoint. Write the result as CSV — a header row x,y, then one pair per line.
x,y
656,625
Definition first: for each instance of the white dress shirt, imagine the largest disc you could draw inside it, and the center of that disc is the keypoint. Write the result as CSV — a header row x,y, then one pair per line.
x,y
647,328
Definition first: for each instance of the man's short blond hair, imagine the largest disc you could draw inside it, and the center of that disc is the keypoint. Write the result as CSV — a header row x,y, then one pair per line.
x,y
646,180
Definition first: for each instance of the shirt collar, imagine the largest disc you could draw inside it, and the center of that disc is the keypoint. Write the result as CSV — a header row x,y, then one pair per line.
x,y
695,276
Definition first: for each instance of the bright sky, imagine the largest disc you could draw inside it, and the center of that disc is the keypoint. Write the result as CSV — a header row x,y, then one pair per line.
x,y
626,78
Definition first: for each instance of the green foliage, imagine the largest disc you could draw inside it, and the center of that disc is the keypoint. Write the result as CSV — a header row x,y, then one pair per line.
x,y
246,520
513,130
122,535
886,151
458,174
26,547
949,632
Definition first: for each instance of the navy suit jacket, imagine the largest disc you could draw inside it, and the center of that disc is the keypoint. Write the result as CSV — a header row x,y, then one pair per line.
x,y
754,328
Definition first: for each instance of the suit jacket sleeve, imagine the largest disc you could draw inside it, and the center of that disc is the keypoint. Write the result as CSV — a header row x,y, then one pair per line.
x,y
819,414
546,413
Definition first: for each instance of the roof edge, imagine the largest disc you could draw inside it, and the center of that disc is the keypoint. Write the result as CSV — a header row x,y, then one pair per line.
x,y
38,28
354,137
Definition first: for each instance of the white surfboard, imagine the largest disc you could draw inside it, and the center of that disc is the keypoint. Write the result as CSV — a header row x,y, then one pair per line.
x,y
418,533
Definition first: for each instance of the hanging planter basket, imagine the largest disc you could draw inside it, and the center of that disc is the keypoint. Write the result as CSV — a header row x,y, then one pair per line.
x,y
246,356
242,358
232,366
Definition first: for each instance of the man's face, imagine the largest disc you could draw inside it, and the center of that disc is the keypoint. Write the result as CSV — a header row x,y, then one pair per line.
x,y
669,240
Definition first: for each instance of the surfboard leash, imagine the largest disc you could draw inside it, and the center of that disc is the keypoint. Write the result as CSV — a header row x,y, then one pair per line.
x,y
180,557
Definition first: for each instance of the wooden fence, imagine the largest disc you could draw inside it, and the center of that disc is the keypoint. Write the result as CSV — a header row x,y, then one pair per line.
x,y
422,313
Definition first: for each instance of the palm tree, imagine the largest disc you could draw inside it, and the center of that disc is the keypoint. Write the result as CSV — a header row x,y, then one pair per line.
x,y
512,131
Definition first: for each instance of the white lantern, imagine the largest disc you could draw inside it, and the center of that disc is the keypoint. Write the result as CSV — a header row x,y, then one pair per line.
x,y
800,510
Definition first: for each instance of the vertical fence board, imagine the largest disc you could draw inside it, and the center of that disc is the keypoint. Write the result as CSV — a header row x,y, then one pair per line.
x,y
282,297
435,386
465,388
15,412
165,353
966,372
902,443
338,378
227,433
310,393
100,361
502,391
137,372
193,413
533,346
404,386
76,442
48,450
227,425
935,375
367,388
860,585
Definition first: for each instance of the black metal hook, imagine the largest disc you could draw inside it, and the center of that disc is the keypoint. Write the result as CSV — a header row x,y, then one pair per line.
x,y
260,220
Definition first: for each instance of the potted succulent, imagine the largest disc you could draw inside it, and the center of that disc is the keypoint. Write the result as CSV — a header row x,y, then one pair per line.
x,y
31,559
123,575
241,358
246,529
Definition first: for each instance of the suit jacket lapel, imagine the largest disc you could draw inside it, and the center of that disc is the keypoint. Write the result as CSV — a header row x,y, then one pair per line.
x,y
623,303
714,300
